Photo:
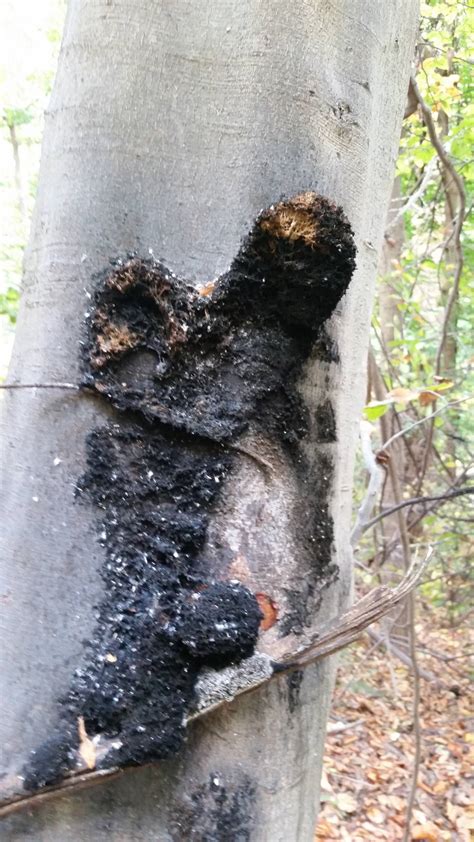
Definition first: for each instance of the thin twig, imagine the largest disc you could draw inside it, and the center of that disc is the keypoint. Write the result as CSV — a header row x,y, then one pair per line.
x,y
455,236
338,727
404,657
434,506
73,386
423,420
413,501
416,716
74,782
376,474
458,181
413,198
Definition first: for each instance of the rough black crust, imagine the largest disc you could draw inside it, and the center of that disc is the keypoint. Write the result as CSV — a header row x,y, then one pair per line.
x,y
294,681
189,371
221,810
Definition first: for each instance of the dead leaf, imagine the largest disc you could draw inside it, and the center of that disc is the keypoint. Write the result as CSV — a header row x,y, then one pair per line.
x,y
325,831
428,832
382,457
426,788
86,746
345,802
374,770
325,784
401,395
397,803
445,382
426,398
375,815
440,787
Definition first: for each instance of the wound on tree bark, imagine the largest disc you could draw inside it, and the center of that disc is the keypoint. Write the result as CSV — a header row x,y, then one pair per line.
x,y
189,371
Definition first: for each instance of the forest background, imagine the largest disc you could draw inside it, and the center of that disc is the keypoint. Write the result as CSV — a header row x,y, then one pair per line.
x,y
399,736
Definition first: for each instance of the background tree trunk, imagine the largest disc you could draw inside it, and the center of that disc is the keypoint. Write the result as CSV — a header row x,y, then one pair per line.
x,y
390,320
170,126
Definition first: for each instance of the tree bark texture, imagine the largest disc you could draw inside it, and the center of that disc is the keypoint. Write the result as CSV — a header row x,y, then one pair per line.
x,y
390,317
170,126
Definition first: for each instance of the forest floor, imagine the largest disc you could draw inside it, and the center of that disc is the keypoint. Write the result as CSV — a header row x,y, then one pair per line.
x,y
368,766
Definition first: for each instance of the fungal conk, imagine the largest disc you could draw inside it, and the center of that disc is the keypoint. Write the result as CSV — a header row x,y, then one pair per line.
x,y
188,372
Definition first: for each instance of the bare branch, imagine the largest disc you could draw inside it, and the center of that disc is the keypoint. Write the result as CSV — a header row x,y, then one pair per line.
x,y
454,237
72,386
423,420
449,495
293,653
428,177
377,475
416,716
458,181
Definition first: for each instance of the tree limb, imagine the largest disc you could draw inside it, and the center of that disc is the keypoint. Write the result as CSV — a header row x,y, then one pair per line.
x,y
451,170
65,386
449,495
376,474
293,653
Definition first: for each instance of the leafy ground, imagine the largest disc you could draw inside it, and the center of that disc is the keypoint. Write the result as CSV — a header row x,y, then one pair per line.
x,y
368,766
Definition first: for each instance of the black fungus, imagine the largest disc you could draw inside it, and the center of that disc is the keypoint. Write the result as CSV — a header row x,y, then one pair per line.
x,y
220,809
188,372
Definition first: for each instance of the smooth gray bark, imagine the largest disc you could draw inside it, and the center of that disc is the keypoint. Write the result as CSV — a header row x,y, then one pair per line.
x,y
171,124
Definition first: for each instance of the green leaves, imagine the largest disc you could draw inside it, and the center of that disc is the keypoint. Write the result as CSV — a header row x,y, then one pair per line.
x,y
375,409
9,304
15,116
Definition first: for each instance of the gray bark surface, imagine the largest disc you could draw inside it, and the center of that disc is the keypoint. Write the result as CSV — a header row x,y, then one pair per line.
x,y
170,126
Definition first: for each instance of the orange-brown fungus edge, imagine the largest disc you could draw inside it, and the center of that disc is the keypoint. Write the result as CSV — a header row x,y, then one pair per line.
x,y
293,220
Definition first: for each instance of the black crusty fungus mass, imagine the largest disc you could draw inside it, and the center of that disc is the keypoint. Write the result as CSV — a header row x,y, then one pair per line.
x,y
216,811
189,371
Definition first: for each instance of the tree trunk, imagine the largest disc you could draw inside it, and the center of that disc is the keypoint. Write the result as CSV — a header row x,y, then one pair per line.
x,y
392,550
450,350
170,126
20,193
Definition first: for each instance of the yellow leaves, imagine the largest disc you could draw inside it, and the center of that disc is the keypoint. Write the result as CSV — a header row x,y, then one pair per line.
x,y
86,746
430,394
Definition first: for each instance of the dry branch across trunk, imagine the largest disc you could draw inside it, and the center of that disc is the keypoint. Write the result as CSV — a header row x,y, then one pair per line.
x,y
217,688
